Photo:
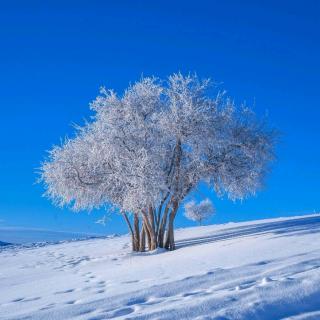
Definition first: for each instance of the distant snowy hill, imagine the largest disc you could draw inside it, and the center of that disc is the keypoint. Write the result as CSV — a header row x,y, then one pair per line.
x,y
268,269
26,236
2,244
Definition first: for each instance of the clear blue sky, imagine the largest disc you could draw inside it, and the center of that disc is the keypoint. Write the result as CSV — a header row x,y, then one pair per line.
x,y
54,56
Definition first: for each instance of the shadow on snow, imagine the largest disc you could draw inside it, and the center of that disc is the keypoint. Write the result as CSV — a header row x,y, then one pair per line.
x,y
299,226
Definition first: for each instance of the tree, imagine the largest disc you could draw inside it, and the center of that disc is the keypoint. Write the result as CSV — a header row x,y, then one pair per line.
x,y
199,212
145,151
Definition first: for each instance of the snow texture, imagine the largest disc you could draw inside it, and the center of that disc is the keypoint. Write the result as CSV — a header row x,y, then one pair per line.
x,y
267,269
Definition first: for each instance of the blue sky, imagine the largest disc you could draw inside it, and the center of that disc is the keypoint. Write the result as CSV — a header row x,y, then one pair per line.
x,y
54,56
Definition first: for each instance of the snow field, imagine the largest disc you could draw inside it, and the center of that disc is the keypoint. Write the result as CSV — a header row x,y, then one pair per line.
x,y
268,269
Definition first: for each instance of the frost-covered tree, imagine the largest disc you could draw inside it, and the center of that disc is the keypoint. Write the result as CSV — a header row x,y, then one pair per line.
x,y
199,212
145,151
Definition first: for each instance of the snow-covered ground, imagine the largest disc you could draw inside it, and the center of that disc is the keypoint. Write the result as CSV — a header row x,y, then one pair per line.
x,y
268,269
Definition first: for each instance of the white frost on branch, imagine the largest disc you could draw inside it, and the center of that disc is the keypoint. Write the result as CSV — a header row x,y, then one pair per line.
x,y
102,220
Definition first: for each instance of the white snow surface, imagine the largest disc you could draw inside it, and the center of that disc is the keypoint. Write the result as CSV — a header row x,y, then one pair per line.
x,y
267,269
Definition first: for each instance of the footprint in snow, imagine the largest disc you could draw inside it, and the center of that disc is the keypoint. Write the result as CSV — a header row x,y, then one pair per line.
x,y
100,317
265,281
31,299
153,300
130,281
120,312
17,299
99,284
136,301
86,288
72,302
190,294
47,307
86,311
100,291
25,299
287,279
262,263
245,285
64,291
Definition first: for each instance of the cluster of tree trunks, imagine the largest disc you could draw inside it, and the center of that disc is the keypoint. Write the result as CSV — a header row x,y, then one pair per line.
x,y
156,228
153,228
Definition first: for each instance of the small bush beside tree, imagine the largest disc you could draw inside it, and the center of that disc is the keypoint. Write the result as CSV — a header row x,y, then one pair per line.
x,y
199,212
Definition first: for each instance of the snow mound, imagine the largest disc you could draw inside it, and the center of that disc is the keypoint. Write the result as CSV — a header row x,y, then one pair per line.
x,y
266,269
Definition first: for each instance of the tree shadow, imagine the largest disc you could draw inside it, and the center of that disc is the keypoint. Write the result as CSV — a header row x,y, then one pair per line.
x,y
299,226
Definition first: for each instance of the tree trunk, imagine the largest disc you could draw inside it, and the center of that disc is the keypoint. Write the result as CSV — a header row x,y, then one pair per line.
x,y
169,243
153,230
163,226
148,238
136,232
150,231
142,246
134,248
158,215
